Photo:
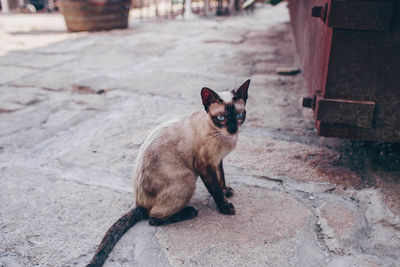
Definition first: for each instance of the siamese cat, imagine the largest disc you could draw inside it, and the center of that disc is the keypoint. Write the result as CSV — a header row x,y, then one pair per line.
x,y
171,159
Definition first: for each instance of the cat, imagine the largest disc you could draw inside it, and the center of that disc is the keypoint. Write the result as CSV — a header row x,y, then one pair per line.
x,y
171,159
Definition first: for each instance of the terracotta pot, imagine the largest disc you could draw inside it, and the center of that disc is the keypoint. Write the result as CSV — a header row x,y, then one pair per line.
x,y
140,3
95,15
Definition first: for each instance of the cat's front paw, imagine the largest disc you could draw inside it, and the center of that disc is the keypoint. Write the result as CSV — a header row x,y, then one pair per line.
x,y
228,191
227,209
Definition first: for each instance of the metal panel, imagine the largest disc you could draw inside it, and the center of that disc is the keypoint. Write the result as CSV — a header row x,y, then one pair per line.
x,y
360,15
313,42
356,113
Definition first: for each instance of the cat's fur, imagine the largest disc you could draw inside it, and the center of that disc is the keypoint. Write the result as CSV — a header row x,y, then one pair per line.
x,y
171,159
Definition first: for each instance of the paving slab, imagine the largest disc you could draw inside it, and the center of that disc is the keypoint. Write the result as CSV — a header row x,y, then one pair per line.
x,y
75,108
337,223
261,233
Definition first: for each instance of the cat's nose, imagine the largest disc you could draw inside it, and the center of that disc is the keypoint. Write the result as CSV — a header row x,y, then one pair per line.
x,y
232,129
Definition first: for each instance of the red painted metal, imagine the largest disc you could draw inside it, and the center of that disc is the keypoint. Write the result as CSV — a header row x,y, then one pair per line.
x,y
350,55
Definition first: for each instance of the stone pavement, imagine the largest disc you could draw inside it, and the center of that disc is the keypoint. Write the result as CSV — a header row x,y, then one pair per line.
x,y
76,107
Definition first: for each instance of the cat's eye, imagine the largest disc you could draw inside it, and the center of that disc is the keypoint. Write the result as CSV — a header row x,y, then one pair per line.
x,y
239,116
221,118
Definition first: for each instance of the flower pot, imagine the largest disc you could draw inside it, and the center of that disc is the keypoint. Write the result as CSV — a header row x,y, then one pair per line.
x,y
95,15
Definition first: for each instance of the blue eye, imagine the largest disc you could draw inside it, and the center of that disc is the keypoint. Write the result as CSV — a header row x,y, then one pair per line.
x,y
239,116
221,118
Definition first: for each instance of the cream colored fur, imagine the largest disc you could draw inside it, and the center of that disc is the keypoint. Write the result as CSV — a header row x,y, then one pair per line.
x,y
166,173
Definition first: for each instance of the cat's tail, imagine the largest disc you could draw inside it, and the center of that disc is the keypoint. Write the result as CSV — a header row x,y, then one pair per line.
x,y
115,232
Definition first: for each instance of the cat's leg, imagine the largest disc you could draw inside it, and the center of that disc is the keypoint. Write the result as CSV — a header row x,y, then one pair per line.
x,y
228,191
187,213
210,180
170,205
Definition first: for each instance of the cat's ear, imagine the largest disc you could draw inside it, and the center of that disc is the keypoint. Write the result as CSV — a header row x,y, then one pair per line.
x,y
209,96
241,92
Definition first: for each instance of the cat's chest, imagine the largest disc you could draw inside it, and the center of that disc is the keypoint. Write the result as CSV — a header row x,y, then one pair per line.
x,y
212,153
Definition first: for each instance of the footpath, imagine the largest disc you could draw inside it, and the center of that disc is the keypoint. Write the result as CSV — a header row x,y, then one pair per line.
x,y
75,108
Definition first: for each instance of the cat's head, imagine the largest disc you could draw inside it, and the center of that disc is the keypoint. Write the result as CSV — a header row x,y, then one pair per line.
x,y
227,110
